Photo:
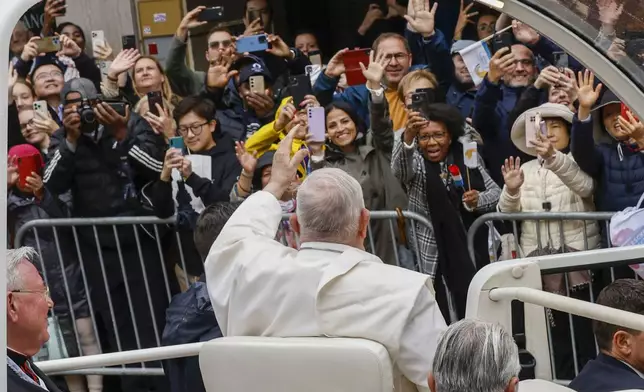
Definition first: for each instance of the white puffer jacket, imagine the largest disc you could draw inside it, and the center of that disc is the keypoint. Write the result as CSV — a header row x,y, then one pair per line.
x,y
568,189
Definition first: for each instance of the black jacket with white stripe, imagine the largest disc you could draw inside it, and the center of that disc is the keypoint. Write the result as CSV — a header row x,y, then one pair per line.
x,y
106,175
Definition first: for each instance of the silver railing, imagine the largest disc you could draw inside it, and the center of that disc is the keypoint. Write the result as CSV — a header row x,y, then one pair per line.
x,y
600,272
145,246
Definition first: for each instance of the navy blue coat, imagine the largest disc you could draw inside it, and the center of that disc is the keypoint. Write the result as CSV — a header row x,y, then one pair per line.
x,y
620,179
492,107
189,319
606,374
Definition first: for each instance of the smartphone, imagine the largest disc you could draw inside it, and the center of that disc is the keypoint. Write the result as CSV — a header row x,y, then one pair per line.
x,y
128,42
543,128
431,98
64,11
119,107
317,124
177,142
98,39
257,84
624,113
561,60
531,130
420,103
155,97
352,60
48,45
212,14
315,57
253,15
41,109
502,40
27,165
299,87
254,43
104,66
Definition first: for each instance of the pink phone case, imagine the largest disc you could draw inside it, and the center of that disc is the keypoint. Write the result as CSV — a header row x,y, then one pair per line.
x,y
317,124
530,131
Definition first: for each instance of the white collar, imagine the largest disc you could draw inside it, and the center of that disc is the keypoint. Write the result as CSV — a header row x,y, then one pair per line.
x,y
325,247
635,370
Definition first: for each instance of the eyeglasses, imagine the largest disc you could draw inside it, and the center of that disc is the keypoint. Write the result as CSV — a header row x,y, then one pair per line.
x,y
44,292
196,129
400,57
223,44
438,137
524,62
47,75
24,127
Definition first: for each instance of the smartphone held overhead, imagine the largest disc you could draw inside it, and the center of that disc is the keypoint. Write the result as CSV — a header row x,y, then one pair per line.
x,y
253,43
98,39
48,45
300,87
254,15
211,14
352,60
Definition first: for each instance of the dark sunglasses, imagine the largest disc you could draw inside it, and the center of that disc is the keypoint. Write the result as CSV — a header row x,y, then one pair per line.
x,y
216,44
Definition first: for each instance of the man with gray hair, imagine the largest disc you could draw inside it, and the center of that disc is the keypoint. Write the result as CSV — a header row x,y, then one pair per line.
x,y
330,286
28,304
475,356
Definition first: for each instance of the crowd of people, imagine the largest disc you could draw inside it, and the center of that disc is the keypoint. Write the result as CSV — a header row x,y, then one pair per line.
x,y
109,134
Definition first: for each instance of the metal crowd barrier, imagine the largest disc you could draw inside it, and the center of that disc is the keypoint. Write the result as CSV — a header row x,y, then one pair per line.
x,y
489,297
80,229
494,288
600,269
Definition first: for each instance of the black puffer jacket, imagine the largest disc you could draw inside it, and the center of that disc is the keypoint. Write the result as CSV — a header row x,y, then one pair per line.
x,y
105,175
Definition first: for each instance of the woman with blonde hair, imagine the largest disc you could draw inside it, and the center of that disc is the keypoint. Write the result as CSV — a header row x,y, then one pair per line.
x,y
148,76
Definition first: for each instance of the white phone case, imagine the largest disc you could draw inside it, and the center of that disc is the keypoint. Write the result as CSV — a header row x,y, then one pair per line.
x,y
98,38
41,109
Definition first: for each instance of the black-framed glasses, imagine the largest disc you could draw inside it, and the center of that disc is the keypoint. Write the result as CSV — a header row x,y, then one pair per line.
x,y
438,137
196,129
46,75
225,44
44,292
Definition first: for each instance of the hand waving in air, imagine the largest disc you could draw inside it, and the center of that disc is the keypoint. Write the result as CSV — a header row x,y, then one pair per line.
x,y
247,160
513,175
376,70
219,73
424,18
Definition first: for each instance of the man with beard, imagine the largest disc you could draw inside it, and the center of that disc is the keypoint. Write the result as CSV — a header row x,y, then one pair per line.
x,y
511,71
462,91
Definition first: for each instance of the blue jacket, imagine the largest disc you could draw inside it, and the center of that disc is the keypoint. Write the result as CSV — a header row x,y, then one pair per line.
x,y
189,319
492,107
463,100
606,374
620,181
434,48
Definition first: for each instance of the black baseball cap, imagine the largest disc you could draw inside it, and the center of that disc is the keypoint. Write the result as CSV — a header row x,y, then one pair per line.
x,y
251,66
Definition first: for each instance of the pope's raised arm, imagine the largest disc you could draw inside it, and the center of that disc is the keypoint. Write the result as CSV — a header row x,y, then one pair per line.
x,y
249,234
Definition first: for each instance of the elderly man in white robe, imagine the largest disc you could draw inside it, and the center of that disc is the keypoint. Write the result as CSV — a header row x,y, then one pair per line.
x,y
330,286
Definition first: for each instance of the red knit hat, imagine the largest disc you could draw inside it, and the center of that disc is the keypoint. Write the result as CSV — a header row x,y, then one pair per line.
x,y
24,150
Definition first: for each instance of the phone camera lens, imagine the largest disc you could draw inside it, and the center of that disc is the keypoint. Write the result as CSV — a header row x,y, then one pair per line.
x,y
262,39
